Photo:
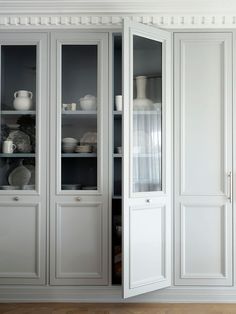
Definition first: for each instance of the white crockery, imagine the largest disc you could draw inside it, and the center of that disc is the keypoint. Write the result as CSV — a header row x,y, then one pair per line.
x,y
69,140
88,102
23,100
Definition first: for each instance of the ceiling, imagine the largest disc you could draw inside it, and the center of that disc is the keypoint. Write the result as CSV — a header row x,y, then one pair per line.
x,y
121,6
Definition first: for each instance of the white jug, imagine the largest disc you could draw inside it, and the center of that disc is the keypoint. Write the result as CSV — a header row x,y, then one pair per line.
x,y
23,100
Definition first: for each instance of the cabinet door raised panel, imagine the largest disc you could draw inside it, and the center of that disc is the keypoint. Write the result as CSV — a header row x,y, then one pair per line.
x,y
22,245
203,158
79,240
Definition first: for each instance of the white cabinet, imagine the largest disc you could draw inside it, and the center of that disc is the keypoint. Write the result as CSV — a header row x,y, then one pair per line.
x,y
203,158
23,172
78,174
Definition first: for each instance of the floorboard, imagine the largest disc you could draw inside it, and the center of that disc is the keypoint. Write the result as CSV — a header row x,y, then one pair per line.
x,y
71,308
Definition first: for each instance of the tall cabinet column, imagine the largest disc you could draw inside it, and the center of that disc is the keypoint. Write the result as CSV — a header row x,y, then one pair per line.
x,y
79,159
23,157
203,158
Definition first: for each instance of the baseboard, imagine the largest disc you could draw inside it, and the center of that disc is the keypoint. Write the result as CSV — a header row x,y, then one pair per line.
x,y
114,294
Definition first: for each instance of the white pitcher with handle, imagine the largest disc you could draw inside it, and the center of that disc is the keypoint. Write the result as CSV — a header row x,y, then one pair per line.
x,y
23,100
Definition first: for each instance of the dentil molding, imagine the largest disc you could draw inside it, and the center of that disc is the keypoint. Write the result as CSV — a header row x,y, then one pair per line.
x,y
109,13
171,21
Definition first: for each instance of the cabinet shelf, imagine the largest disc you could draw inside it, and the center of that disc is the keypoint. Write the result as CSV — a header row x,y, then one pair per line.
x,y
117,155
79,155
79,112
17,155
18,112
117,113
117,197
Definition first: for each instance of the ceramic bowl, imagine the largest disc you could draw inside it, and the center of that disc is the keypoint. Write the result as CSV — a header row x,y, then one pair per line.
x,y
69,140
88,102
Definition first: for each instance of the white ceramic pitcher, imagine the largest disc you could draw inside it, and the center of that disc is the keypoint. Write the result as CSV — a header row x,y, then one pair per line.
x,y
23,100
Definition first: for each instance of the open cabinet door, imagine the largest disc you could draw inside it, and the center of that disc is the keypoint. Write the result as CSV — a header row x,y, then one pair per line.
x,y
146,159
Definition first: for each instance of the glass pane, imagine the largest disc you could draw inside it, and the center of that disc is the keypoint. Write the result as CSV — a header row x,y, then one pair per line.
x,y
18,117
79,117
147,111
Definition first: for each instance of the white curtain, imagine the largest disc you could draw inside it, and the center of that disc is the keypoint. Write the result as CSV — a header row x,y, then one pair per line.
x,y
147,151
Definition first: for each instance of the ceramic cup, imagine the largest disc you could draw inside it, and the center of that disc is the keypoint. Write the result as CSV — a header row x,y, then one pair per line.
x,y
118,102
8,147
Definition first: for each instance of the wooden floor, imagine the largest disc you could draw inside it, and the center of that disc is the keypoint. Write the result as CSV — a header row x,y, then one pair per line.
x,y
70,308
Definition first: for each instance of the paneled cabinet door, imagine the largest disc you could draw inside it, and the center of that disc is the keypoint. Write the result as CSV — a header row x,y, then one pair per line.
x,y
79,159
23,147
147,159
203,158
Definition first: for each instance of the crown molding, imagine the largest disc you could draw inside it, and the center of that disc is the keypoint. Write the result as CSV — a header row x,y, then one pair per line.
x,y
167,21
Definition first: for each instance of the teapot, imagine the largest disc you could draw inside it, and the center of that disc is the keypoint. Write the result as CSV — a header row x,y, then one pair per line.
x,y
23,100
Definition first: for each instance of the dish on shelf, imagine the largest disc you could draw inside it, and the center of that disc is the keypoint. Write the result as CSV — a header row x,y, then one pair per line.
x,y
83,149
9,187
89,138
32,178
88,102
21,140
13,126
20,176
69,140
28,187
71,186
118,150
89,188
69,144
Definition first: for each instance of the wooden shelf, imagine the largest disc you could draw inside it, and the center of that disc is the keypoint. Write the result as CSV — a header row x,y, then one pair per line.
x,y
18,155
78,155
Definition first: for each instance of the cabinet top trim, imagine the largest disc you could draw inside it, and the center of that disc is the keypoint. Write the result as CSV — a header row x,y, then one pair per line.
x,y
168,21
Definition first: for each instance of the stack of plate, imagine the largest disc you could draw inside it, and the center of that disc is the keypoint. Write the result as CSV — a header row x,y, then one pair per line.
x,y
83,149
69,144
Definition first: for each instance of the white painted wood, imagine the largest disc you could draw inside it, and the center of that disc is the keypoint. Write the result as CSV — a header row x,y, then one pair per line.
x,y
118,6
113,20
22,243
146,212
67,200
203,158
79,244
24,220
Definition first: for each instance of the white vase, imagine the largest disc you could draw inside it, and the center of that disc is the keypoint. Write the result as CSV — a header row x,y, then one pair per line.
x,y
142,102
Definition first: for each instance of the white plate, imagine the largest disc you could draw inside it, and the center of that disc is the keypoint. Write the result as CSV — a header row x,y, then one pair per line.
x,y
89,138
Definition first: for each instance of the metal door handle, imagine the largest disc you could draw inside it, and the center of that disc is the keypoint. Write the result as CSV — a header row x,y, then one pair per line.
x,y
230,186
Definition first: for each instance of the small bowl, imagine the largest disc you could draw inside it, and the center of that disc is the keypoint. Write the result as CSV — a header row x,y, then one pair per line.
x,y
69,140
118,150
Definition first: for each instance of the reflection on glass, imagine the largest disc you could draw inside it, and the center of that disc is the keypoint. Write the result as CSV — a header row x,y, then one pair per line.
x,y
147,110
79,117
18,117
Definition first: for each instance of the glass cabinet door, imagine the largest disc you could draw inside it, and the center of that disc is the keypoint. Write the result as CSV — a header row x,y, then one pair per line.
x,y
79,106
146,173
146,115
18,118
